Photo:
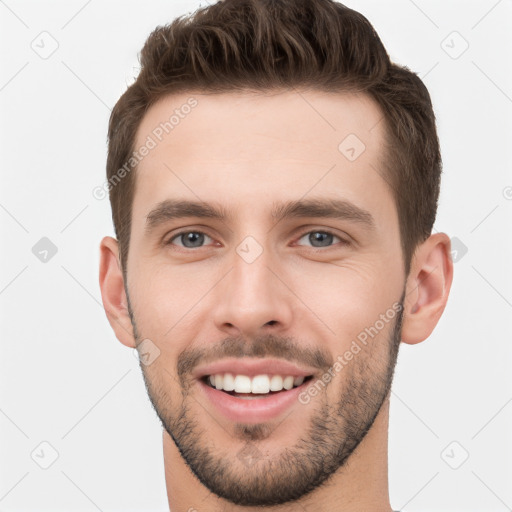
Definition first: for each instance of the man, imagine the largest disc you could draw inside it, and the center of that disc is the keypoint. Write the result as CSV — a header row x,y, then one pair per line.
x,y
274,182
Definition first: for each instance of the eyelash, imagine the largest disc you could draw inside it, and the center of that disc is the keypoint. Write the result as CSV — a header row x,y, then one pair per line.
x,y
325,231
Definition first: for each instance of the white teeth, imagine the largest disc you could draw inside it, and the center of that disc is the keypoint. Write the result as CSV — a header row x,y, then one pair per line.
x,y
298,381
276,383
242,384
229,382
260,384
288,383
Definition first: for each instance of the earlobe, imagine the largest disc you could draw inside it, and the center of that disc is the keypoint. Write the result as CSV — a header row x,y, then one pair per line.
x,y
113,292
427,289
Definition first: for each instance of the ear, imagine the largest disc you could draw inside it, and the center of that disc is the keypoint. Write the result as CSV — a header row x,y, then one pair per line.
x,y
427,289
113,292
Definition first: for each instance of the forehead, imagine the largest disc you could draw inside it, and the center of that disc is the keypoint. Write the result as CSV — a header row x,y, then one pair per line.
x,y
252,148
271,118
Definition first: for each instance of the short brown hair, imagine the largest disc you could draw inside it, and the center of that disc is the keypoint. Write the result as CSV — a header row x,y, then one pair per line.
x,y
264,45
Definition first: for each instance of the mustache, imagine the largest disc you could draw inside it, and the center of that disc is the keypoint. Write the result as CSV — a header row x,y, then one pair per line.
x,y
263,346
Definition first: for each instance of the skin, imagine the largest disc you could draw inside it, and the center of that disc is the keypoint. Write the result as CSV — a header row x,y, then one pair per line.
x,y
247,151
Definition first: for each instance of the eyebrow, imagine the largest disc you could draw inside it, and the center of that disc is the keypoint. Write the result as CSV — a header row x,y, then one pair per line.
x,y
341,209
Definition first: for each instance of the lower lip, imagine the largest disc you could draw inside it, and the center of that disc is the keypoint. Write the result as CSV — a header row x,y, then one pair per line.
x,y
254,410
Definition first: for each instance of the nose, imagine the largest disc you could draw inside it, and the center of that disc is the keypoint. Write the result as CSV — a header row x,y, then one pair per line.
x,y
253,299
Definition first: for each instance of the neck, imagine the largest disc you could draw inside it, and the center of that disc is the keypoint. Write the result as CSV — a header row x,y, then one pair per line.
x,y
361,484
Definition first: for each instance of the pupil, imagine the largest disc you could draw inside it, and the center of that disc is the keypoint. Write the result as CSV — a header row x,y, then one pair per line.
x,y
196,239
319,236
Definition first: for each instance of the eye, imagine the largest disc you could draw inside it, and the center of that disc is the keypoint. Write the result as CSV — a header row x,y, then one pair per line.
x,y
197,239
322,238
189,239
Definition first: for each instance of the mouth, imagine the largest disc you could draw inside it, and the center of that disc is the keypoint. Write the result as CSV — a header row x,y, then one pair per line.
x,y
251,400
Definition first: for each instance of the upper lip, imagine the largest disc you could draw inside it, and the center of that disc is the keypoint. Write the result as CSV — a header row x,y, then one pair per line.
x,y
252,367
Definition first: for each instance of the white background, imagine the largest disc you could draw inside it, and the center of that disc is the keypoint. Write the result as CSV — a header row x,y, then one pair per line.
x,y
66,380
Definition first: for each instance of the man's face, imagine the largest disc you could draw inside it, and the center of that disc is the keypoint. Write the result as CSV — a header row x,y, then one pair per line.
x,y
294,293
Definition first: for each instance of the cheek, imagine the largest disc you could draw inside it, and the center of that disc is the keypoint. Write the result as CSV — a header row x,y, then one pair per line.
x,y
174,305
162,296
349,297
